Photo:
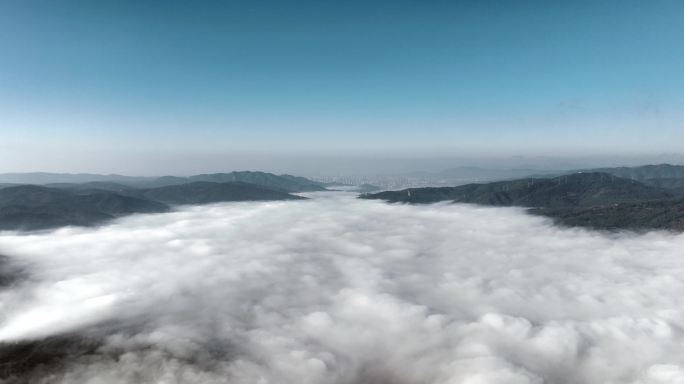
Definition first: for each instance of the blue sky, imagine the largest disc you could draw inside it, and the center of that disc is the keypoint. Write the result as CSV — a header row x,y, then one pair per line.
x,y
115,85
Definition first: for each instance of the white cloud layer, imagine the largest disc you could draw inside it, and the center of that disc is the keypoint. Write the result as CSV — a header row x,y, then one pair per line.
x,y
339,290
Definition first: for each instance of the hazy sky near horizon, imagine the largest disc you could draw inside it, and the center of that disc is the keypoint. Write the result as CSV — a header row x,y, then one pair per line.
x,y
119,86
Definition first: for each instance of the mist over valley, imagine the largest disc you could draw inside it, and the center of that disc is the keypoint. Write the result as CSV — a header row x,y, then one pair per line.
x,y
335,289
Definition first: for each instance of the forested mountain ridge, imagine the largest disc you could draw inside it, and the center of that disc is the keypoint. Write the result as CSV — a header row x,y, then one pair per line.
x,y
32,207
593,199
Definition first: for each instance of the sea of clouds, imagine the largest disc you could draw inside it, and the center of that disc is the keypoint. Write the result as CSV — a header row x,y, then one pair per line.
x,y
340,290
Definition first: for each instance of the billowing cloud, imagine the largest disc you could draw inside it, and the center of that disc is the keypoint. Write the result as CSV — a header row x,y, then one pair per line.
x,y
340,290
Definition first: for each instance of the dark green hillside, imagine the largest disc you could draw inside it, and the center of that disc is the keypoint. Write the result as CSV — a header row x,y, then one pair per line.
x,y
580,189
675,185
31,207
283,182
163,182
90,186
635,216
203,192
595,200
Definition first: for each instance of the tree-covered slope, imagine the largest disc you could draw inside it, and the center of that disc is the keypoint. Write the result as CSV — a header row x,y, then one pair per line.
x,y
92,185
31,207
665,214
203,192
595,200
580,189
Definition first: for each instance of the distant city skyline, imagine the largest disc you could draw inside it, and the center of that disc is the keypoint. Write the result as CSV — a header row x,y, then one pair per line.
x,y
172,87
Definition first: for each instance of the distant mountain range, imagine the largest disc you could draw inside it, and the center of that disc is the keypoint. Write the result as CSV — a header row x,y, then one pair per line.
x,y
40,178
662,175
469,174
35,207
591,199
646,172
287,183
101,185
666,175
644,197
